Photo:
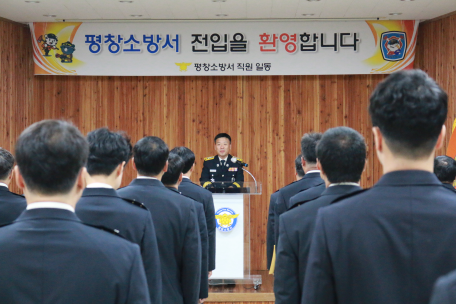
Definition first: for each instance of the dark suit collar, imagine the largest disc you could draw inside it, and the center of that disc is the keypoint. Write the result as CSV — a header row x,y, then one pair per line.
x,y
449,186
311,175
186,180
2,188
408,177
173,189
99,192
48,213
146,182
340,189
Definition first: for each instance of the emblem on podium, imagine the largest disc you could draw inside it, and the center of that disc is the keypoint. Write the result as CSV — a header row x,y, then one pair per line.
x,y
226,219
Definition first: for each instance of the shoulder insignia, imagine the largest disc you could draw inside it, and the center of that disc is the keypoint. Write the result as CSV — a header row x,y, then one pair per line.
x,y
112,231
349,195
135,203
209,158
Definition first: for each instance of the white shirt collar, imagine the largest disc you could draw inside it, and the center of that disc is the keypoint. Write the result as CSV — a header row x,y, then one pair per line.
x,y
146,177
183,176
344,184
3,185
99,185
54,205
226,158
313,171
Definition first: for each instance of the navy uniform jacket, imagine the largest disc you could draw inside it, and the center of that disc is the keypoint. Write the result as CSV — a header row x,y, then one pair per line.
x,y
388,244
204,283
49,256
176,228
307,181
445,290
270,239
449,186
11,205
103,207
213,171
305,196
296,229
204,197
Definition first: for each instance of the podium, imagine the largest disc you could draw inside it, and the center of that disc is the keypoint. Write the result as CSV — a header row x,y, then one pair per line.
x,y
232,213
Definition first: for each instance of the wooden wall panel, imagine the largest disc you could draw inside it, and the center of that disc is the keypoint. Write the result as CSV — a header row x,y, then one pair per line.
x,y
436,55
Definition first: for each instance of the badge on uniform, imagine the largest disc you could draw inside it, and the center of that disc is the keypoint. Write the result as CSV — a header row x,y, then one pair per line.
x,y
232,169
213,170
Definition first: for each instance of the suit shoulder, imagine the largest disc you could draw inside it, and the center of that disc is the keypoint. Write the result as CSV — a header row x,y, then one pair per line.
x,y
134,202
106,229
12,194
209,158
350,195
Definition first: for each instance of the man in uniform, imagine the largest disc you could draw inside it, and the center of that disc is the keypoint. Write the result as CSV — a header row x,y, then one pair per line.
x,y
270,239
201,195
221,168
11,204
100,205
172,179
445,170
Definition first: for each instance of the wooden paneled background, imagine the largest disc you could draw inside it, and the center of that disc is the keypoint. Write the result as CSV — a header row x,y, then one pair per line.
x,y
265,115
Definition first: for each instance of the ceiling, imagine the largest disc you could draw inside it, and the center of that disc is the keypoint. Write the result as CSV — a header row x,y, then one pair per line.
x,y
115,10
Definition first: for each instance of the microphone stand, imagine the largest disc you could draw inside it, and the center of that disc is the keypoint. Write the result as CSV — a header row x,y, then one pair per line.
x,y
256,186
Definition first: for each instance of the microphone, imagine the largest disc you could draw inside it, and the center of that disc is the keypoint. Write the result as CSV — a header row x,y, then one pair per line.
x,y
236,161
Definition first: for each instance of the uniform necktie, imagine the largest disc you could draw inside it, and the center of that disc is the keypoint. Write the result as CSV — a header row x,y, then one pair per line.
x,y
223,163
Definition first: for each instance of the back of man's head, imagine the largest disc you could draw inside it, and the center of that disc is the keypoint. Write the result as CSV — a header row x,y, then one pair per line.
x,y
107,150
445,169
150,155
409,108
298,166
175,167
6,163
308,143
342,155
50,154
187,156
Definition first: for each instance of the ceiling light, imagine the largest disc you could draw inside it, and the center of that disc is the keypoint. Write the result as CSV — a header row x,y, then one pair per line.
x,y
407,0
313,0
126,1
395,14
218,0
222,15
308,15
32,1
136,16
53,16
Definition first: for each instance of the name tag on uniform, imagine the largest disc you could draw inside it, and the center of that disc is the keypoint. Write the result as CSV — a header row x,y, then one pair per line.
x,y
232,169
214,170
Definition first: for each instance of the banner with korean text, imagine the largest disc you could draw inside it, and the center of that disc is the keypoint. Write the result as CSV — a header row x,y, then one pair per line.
x,y
224,48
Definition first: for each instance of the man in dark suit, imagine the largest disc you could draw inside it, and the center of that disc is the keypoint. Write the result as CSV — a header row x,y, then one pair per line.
x,y
270,239
389,244
175,221
445,170
221,168
445,290
171,179
201,195
48,255
311,178
11,204
100,205
297,225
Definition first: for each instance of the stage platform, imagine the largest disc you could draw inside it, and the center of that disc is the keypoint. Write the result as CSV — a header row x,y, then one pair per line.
x,y
244,294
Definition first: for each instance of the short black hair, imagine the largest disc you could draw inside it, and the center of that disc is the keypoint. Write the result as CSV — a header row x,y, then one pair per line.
x,y
445,169
220,135
342,154
308,144
298,166
410,109
150,155
107,150
175,167
6,163
187,156
50,155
